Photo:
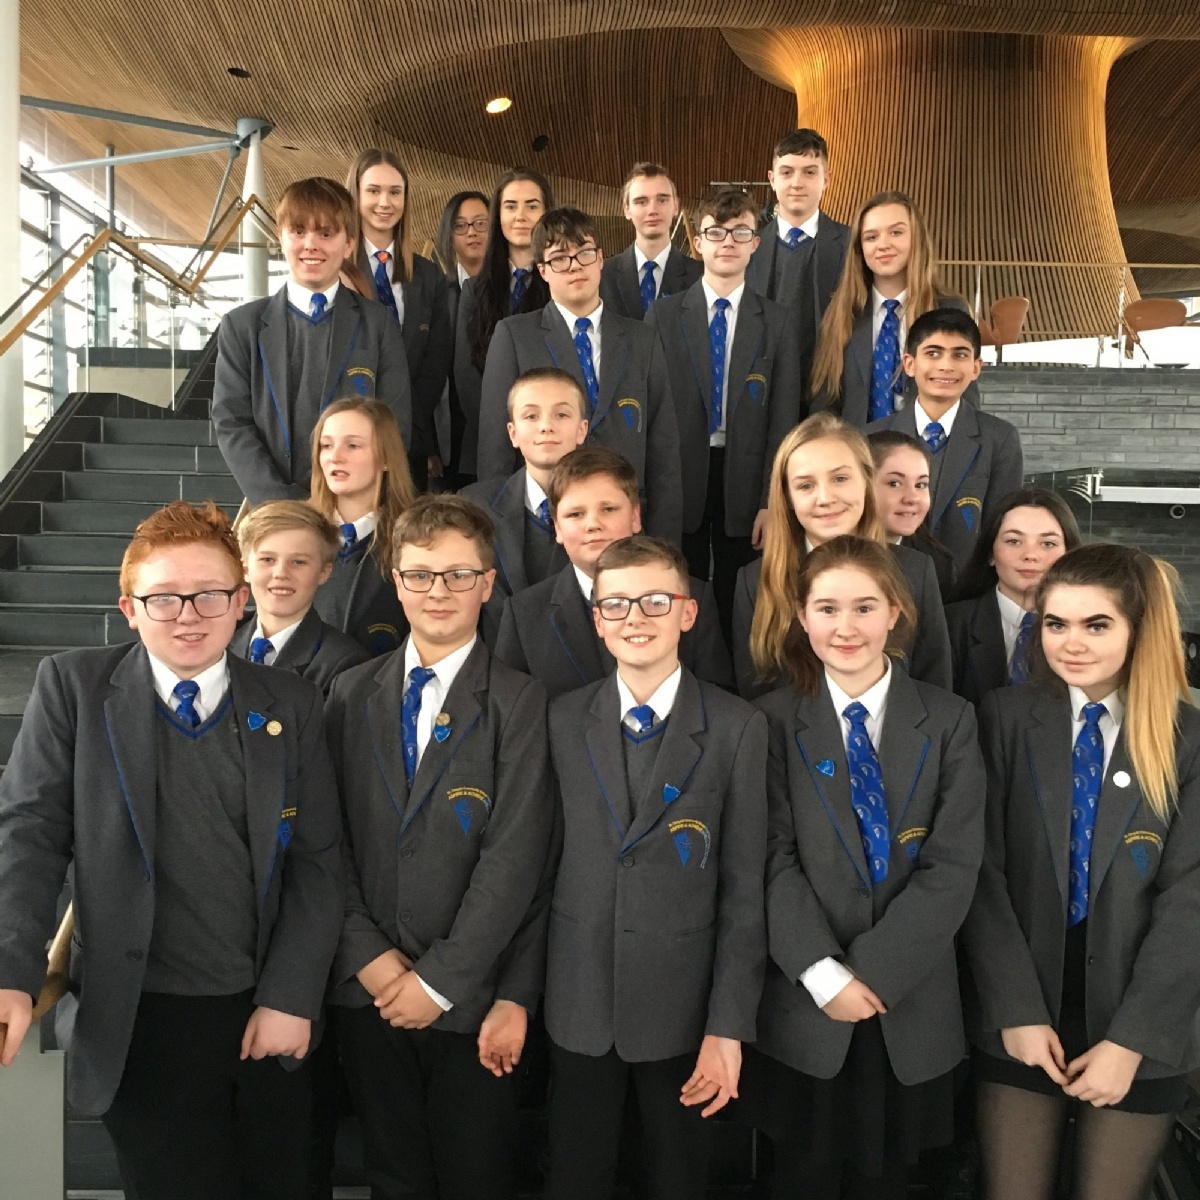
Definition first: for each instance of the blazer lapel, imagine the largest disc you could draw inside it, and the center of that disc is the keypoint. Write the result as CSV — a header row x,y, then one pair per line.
x,y
628,284
605,754
509,507
677,759
272,352
1114,813
862,346
693,320
747,338
902,746
830,252
239,644
383,724
559,342
571,624
819,738
986,654
343,335
301,647
674,274
959,453
1048,750
614,348
762,261
129,722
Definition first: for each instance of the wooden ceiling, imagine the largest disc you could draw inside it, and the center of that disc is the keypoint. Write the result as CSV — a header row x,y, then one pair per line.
x,y
606,82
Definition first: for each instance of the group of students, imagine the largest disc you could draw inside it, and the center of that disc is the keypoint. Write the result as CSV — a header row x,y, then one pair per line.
x,y
724,824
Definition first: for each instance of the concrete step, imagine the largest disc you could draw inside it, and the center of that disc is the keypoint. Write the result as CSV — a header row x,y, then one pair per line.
x,y
155,486
103,456
71,550
144,431
117,516
26,626
65,588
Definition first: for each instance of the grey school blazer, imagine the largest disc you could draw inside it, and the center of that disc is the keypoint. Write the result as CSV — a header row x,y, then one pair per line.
x,y
977,646
854,402
981,463
316,651
763,399
634,416
898,936
621,285
927,657
79,796
252,408
446,872
1143,975
657,932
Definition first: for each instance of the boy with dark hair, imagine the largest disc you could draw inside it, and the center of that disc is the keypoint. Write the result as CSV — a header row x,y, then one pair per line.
x,y
546,420
735,371
618,362
282,360
651,267
657,933
441,755
190,796
975,457
800,257
547,630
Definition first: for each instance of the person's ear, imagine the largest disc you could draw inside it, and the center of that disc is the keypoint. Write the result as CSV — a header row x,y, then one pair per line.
x,y
977,366
910,365
893,615
326,571
637,518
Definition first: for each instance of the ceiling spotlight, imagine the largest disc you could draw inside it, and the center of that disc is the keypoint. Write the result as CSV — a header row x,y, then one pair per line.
x,y
540,143
239,72
498,105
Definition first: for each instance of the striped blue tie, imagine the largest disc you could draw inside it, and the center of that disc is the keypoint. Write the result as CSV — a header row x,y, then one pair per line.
x,y
349,539
1022,656
1087,775
259,649
318,307
583,348
796,237
409,712
185,692
383,285
867,794
885,364
935,437
718,331
520,279
649,291
642,716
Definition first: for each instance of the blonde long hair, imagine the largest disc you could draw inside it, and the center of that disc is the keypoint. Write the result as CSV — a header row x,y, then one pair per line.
x,y
395,491
1155,674
784,540
854,290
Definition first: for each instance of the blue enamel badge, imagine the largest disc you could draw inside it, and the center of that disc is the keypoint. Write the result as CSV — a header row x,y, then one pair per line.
x,y
826,767
670,792
683,847
255,720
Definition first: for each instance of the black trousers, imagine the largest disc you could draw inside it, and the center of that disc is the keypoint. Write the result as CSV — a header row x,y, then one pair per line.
x,y
190,1121
587,1106
437,1125
710,544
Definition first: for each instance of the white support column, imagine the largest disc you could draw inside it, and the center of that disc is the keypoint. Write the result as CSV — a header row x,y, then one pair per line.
x,y
31,1123
255,252
12,367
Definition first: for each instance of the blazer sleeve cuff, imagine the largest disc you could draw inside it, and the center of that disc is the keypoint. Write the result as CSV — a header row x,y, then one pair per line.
x,y
356,950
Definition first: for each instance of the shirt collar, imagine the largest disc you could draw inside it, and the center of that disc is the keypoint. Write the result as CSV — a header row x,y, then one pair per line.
x,y
1112,702
586,585
373,249
213,682
878,300
1011,613
922,419
445,669
363,527
300,297
462,274
734,297
659,259
570,318
873,699
534,493
280,639
809,226
663,699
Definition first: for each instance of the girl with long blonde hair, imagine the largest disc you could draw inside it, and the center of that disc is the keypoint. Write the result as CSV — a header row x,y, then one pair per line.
x,y
822,487
1081,932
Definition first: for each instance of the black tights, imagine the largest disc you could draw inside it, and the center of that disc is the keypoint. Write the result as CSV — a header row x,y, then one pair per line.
x,y
798,1177
1021,1136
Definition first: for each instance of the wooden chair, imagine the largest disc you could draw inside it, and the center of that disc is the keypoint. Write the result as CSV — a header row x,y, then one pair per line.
x,y
1159,312
1007,320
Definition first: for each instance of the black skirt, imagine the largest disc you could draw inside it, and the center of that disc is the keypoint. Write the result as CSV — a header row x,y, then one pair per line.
x,y
1164,1095
863,1115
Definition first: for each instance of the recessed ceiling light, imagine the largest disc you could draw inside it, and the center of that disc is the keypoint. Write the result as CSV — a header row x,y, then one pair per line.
x,y
239,72
498,105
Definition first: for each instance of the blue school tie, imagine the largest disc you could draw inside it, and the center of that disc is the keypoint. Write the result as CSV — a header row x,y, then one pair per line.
x,y
1022,656
186,691
1087,774
583,348
383,285
543,513
411,709
259,649
318,306
795,237
649,291
718,330
520,277
884,364
349,539
935,437
866,792
642,715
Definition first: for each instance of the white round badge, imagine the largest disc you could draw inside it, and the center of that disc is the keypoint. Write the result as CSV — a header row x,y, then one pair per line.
x,y
1122,779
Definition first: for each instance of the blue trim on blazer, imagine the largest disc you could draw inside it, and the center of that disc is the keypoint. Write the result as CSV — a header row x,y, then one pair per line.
x,y
566,650
829,814
287,441
604,793
137,833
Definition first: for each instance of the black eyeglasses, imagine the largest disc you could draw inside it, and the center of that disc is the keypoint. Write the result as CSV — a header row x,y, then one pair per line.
x,y
461,579
480,225
562,262
718,233
167,606
652,604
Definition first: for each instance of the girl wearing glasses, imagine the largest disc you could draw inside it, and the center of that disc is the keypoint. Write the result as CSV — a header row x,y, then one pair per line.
x,y
874,838
361,483
410,287
888,280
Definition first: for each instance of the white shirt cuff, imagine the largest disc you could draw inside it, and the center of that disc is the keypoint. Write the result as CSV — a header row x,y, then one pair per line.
x,y
825,979
436,997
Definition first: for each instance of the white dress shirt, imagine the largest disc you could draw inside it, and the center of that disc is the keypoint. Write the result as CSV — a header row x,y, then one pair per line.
x,y
593,332
586,583
809,226
463,274
826,978
277,640
363,527
534,493
373,253
923,419
735,301
662,701
213,683
660,262
300,298
1011,615
433,696
1109,724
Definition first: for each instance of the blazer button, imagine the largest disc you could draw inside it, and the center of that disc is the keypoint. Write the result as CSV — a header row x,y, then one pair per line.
x,y
133,955
406,917
864,891
406,852
627,861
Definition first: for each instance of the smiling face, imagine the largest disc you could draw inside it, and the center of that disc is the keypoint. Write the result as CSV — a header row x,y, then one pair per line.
x,y
315,253
284,571
902,491
348,460
190,643
886,241
942,367
1028,541
591,515
381,196
1086,638
641,642
848,618
521,207
798,181
651,206
827,489
547,422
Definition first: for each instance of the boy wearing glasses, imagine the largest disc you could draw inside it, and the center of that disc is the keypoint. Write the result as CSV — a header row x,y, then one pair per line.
x,y
547,630
191,796
657,937
735,378
616,360
442,763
